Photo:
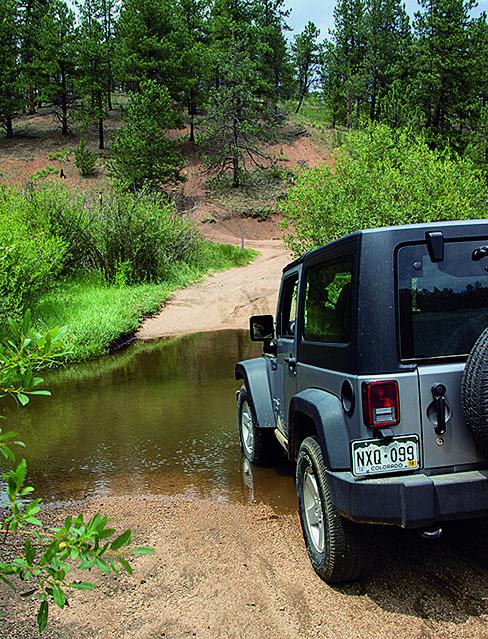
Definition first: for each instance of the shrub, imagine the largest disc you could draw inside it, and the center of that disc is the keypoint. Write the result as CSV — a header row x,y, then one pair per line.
x,y
85,160
30,257
137,236
381,177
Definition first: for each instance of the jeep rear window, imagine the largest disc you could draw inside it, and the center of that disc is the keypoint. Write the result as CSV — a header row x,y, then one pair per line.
x,y
443,305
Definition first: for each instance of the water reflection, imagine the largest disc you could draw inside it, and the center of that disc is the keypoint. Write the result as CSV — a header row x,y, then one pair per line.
x,y
158,418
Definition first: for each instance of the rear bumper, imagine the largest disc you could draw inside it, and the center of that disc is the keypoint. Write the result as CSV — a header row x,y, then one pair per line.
x,y
411,501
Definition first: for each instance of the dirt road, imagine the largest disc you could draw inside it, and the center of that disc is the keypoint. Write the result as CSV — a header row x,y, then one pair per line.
x,y
240,571
224,300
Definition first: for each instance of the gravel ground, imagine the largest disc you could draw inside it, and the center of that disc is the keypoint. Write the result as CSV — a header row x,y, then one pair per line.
x,y
231,570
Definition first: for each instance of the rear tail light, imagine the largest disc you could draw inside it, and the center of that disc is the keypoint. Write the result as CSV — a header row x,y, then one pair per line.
x,y
381,404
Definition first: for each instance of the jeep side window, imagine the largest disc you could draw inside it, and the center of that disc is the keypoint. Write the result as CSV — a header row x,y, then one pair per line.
x,y
328,301
288,307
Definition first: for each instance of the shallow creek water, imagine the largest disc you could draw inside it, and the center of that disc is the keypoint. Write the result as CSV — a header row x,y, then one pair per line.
x,y
158,418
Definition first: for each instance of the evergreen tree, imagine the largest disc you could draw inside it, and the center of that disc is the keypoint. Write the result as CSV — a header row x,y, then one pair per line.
x,y
31,18
235,123
93,64
57,57
109,9
142,153
273,60
149,44
387,47
196,59
11,88
306,54
345,74
446,65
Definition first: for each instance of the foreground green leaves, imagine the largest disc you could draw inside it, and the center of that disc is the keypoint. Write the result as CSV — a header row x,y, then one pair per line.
x,y
45,556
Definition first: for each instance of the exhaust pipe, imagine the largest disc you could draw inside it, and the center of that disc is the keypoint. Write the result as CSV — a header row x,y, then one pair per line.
x,y
430,533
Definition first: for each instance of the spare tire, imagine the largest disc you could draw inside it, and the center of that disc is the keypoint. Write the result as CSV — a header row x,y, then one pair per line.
x,y
474,392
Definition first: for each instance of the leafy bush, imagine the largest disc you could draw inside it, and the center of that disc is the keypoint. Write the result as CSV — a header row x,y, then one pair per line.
x,y
31,258
85,160
381,177
135,238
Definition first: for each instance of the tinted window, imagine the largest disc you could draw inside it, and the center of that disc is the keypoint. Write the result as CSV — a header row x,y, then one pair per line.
x,y
443,305
288,310
328,302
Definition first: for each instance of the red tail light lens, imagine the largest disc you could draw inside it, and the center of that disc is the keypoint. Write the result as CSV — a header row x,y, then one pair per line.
x,y
381,404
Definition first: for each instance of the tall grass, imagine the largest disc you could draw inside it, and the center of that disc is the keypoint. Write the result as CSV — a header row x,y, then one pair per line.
x,y
97,314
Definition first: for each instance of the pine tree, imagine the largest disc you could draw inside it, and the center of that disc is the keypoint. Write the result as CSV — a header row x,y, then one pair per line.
x,y
196,58
236,120
93,64
11,87
387,47
31,17
345,74
446,68
142,153
57,57
273,59
149,44
306,54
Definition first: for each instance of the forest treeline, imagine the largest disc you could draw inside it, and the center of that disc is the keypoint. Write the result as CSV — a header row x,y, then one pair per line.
x,y
231,62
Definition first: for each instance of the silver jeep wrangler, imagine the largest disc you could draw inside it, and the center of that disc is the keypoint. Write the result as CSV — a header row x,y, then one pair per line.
x,y
374,379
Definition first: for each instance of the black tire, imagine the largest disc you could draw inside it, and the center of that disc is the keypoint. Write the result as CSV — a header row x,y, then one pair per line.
x,y
348,551
258,445
474,392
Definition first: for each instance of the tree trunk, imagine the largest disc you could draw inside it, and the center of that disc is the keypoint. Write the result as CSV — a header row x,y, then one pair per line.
x,y
109,88
32,101
235,155
191,113
372,113
101,141
9,129
64,103
299,105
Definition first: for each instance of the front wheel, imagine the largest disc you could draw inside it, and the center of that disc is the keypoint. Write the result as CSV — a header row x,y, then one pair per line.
x,y
338,548
257,444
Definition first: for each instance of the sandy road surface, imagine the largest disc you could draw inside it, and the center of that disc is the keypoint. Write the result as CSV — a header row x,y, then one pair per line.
x,y
223,300
240,571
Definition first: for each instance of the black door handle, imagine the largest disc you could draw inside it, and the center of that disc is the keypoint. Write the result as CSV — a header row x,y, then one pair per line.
x,y
439,395
291,361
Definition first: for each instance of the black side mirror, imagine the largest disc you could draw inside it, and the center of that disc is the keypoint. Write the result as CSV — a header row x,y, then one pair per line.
x,y
261,328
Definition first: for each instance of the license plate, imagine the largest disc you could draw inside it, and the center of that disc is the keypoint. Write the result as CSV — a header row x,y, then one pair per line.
x,y
375,457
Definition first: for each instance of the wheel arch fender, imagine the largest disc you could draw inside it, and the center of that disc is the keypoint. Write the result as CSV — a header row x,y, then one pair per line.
x,y
255,374
327,414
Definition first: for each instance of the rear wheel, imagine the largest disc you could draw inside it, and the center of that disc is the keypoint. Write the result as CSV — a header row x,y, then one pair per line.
x,y
257,444
338,548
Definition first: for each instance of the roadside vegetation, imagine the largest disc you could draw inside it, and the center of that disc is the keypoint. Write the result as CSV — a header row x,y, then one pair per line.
x,y
381,177
97,268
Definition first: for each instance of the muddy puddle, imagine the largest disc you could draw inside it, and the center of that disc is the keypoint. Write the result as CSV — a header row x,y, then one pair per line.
x,y
158,418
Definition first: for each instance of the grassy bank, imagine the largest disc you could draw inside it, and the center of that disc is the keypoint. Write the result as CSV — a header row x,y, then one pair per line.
x,y
97,315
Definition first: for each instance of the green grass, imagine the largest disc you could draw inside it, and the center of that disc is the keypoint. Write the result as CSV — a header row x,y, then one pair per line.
x,y
96,314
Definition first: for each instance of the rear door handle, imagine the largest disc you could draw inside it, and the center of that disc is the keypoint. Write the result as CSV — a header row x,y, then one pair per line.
x,y
291,361
439,395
